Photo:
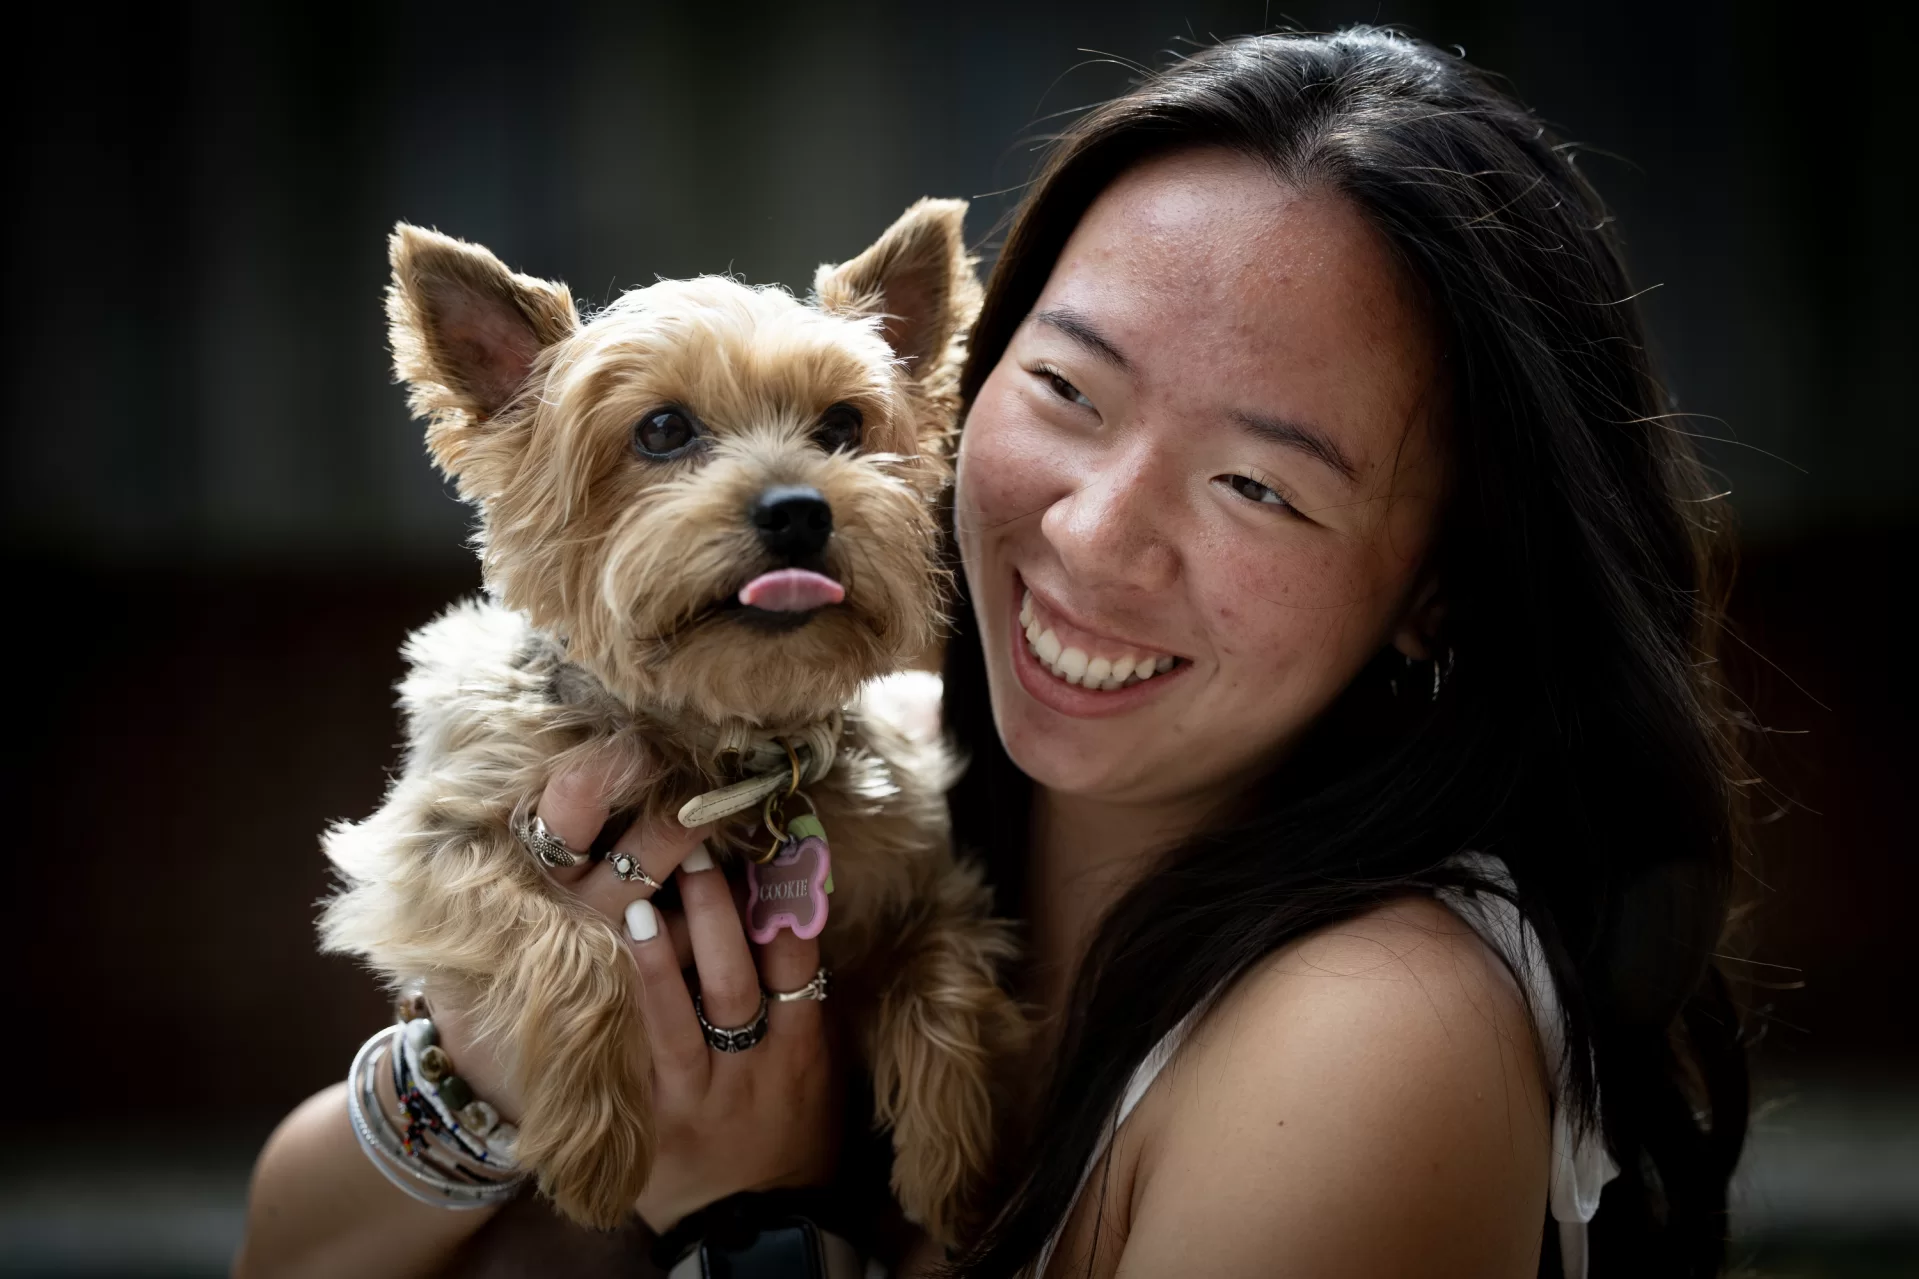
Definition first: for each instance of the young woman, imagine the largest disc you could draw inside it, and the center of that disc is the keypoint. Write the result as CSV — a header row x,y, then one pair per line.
x,y
1335,659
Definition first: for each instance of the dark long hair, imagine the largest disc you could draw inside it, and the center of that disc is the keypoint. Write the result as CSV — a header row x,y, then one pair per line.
x,y
1580,736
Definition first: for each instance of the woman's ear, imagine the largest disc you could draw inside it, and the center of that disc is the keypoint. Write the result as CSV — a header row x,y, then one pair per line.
x,y
1418,629
466,330
919,279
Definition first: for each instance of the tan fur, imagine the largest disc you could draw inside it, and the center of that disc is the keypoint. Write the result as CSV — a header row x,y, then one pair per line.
x,y
601,637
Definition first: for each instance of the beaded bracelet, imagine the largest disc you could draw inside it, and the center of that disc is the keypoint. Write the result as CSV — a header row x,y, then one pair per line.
x,y
439,1103
444,1116
422,1161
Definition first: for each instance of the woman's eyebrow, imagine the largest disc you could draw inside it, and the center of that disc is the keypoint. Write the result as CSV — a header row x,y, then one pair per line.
x,y
1297,435
1081,330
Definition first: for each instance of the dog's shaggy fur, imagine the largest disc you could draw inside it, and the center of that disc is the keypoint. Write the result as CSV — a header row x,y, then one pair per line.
x,y
608,633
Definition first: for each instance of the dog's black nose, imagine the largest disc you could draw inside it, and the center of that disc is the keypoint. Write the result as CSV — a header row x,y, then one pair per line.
x,y
793,520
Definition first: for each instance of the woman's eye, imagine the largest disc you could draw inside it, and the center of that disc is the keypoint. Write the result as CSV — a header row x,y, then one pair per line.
x,y
664,433
839,428
1062,388
1253,491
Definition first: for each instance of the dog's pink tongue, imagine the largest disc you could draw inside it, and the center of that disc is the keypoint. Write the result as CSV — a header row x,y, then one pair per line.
x,y
791,590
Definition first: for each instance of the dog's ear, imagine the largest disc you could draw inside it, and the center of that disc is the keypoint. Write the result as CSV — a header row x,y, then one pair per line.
x,y
466,330
918,278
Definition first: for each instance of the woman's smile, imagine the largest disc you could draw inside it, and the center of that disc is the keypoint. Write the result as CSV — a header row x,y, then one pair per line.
x,y
1080,672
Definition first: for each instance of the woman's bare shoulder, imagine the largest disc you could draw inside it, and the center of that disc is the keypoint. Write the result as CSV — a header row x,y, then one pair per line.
x,y
1410,940
1369,1099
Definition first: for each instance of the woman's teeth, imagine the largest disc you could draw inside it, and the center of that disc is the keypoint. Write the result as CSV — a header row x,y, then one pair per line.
x,y
1076,666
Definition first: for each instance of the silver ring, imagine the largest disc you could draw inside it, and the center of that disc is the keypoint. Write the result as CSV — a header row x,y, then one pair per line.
x,y
626,868
815,989
545,845
739,1038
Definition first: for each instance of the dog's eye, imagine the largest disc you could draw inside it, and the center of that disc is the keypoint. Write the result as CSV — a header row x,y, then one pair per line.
x,y
839,428
664,433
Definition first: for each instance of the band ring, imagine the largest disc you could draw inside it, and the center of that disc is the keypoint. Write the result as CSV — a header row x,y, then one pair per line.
x,y
549,848
814,990
737,1039
626,868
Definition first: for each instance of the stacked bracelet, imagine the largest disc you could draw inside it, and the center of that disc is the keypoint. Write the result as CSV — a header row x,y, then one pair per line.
x,y
439,1143
441,1105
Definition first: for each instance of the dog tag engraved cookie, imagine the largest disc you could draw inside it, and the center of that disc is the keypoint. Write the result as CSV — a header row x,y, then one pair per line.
x,y
790,891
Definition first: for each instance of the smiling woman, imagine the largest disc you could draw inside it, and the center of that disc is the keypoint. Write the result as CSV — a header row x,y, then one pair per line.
x,y
1222,364
1335,663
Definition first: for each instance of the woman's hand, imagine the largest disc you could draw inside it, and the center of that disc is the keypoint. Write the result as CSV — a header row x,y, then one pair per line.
x,y
727,1122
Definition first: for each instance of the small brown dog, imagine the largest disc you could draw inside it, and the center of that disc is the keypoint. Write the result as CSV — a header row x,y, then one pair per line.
x,y
672,494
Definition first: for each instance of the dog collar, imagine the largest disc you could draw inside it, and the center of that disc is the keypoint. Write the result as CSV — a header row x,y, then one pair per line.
x,y
763,757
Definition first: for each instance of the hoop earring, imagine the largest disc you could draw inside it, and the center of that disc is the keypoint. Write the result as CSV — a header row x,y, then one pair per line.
x,y
1442,671
1441,674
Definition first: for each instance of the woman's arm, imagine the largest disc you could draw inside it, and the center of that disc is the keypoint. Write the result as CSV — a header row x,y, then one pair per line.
x,y
1371,1101
319,1208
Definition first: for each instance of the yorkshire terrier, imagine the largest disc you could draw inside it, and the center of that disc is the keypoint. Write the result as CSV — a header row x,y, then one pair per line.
x,y
706,524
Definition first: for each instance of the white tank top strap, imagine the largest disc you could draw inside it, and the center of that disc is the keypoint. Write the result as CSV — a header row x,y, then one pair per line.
x,y
1144,1074
1581,1165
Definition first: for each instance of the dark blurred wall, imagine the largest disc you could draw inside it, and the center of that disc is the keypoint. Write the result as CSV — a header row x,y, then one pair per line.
x,y
218,521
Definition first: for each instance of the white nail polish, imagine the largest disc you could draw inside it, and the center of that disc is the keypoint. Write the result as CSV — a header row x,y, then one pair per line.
x,y
642,921
697,860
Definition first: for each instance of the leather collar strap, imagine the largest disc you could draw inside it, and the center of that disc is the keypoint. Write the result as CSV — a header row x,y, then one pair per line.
x,y
764,757
769,1233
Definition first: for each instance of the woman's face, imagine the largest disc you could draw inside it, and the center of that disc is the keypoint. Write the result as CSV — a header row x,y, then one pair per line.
x,y
1207,458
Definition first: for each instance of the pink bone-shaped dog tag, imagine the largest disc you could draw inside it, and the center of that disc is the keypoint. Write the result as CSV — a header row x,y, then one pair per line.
x,y
789,891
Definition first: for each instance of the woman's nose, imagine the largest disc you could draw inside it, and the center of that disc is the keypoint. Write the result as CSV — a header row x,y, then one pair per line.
x,y
1116,527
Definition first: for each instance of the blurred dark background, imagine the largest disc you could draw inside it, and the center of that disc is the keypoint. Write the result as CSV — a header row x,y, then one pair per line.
x,y
218,521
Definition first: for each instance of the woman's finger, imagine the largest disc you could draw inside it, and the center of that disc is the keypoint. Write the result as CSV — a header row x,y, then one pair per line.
x,y
680,1058
787,964
729,981
656,846
573,806
682,940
